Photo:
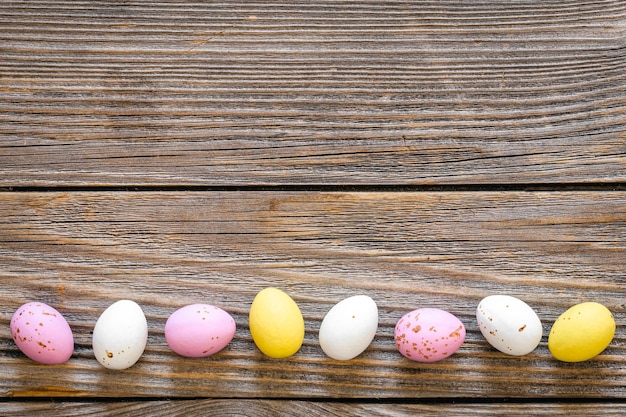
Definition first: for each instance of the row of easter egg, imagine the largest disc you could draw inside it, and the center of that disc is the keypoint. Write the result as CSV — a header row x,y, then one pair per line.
x,y
277,327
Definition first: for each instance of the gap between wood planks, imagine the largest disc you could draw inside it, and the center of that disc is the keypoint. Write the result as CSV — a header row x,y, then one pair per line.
x,y
494,187
359,400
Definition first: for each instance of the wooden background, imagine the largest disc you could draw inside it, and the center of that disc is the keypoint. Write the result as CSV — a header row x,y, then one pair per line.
x,y
425,153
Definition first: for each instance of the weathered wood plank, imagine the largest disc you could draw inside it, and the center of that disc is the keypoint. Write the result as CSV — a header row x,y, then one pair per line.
x,y
151,93
263,408
82,251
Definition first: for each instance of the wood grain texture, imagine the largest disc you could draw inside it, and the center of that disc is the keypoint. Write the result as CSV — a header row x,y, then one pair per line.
x,y
82,251
323,92
263,408
285,97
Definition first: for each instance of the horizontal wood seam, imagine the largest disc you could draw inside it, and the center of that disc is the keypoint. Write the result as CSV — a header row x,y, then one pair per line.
x,y
513,187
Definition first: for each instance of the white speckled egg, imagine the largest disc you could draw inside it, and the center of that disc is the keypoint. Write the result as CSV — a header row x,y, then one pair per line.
x,y
349,327
509,324
120,335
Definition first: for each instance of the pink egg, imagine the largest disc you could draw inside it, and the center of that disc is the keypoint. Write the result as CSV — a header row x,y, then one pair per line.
x,y
199,330
429,334
42,333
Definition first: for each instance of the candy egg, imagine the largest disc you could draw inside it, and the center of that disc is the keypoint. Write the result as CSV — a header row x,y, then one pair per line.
x,y
429,334
276,323
582,332
349,327
199,330
120,335
42,333
509,324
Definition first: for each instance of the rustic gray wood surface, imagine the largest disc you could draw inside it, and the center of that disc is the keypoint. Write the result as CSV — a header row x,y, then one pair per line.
x,y
311,92
425,153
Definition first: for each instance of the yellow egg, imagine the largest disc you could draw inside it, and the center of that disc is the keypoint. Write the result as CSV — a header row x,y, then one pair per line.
x,y
581,333
276,323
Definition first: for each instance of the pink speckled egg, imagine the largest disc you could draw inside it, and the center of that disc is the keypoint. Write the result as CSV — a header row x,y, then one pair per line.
x,y
429,334
42,333
199,330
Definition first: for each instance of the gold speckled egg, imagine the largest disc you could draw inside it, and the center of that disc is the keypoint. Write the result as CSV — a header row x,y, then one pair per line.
x,y
582,332
276,323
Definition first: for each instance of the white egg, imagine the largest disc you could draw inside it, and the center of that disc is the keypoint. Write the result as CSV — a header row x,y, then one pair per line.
x,y
509,324
120,335
349,327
